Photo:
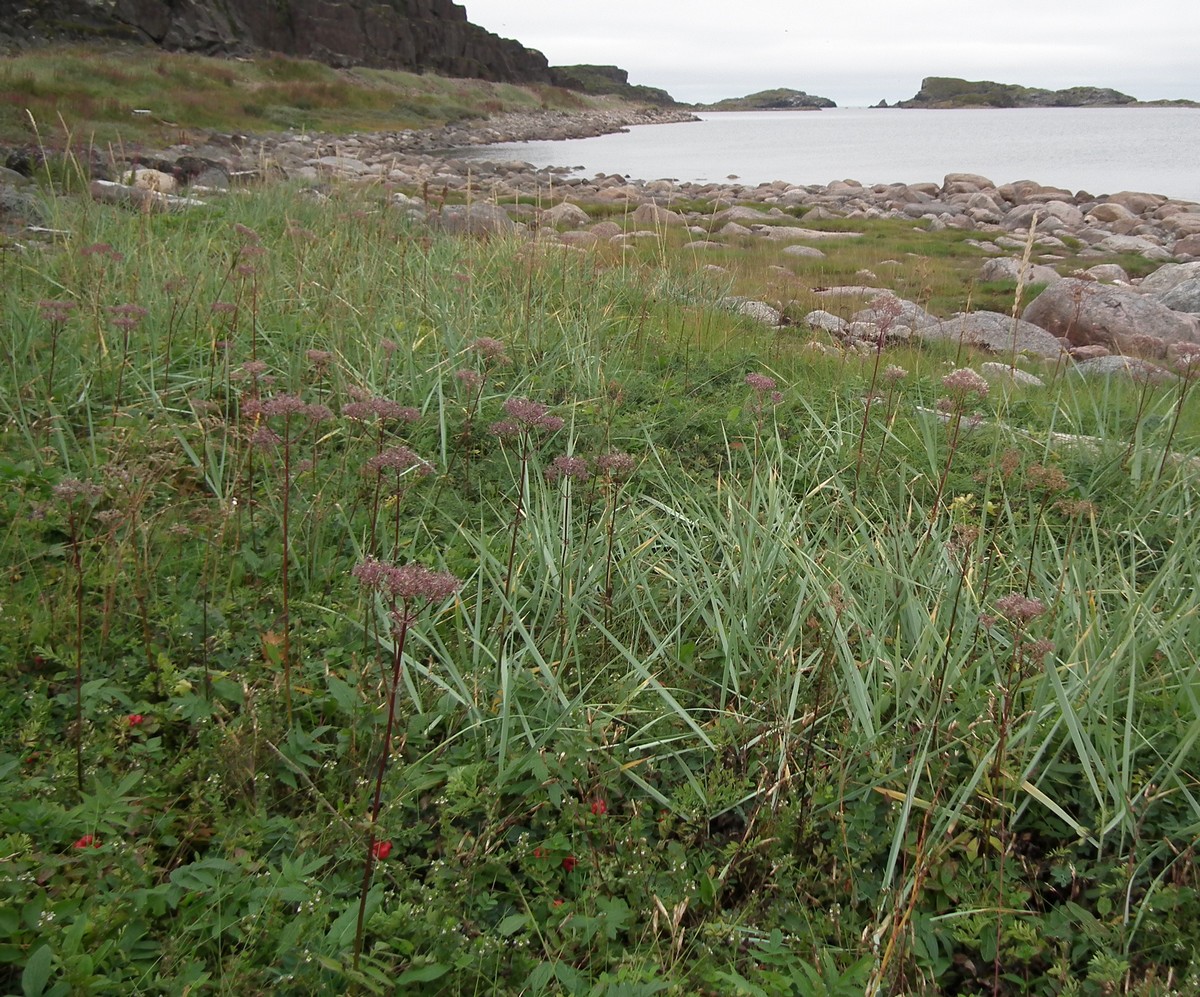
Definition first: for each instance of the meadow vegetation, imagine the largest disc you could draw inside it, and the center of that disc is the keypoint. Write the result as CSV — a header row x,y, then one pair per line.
x,y
386,611
98,89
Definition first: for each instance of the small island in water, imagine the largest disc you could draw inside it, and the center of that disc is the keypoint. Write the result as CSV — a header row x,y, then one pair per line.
x,y
779,99
951,92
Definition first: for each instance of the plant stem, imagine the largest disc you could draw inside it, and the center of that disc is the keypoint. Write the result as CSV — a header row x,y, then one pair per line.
x,y
369,861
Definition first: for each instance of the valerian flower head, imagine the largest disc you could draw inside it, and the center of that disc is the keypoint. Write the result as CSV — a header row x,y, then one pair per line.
x,y
1050,479
489,348
525,416
406,582
1187,358
399,460
894,374
1020,609
469,379
251,370
760,383
320,359
616,465
246,232
964,381
56,311
265,439
568,467
71,490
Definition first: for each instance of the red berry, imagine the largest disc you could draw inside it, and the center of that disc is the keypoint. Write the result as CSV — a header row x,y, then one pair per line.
x,y
381,849
599,807
569,863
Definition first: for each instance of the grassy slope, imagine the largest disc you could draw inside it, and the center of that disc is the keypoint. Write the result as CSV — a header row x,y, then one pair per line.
x,y
753,717
97,90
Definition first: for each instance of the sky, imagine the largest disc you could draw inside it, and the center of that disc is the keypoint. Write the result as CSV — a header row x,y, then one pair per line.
x,y
859,53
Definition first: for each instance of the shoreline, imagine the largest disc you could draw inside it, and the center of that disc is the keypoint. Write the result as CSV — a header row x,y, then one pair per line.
x,y
417,162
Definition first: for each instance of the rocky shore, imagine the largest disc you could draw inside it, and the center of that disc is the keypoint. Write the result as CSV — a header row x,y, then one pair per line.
x,y
1089,313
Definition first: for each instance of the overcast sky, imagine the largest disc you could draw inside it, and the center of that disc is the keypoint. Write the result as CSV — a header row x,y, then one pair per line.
x,y
857,53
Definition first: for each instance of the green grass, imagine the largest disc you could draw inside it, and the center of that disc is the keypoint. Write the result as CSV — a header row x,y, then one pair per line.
x,y
748,720
96,89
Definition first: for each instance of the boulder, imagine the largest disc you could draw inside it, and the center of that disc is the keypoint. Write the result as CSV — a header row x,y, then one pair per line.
x,y
758,311
1187,246
826,321
995,332
738,213
1003,372
1110,211
565,213
1134,244
582,239
1085,312
1136,202
1007,268
793,233
807,251
1110,272
888,310
732,230
1133,367
965,183
606,230
652,214
1166,277
479,218
153,180
1183,297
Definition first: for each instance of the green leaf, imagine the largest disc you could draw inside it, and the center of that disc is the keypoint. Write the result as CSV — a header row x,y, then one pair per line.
x,y
512,924
422,974
37,972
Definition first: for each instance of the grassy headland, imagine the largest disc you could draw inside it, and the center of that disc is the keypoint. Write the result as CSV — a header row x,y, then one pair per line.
x,y
758,675
99,89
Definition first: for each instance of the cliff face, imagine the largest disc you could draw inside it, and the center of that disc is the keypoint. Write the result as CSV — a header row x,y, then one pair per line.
x,y
417,35
607,80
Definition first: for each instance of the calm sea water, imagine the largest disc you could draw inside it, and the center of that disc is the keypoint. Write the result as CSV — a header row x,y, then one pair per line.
x,y
1100,150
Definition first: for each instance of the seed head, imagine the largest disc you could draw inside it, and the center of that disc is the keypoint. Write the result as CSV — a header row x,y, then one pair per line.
x,y
406,582
963,382
489,349
568,467
760,383
1020,609
399,460
616,465
71,490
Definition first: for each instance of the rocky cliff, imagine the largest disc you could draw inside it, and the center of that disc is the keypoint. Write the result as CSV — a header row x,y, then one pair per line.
x,y
432,35
608,80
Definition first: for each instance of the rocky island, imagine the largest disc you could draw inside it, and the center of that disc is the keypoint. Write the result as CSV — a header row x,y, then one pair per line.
x,y
951,92
779,99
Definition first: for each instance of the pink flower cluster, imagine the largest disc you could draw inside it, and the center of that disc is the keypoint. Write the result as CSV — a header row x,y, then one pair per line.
x,y
525,416
406,582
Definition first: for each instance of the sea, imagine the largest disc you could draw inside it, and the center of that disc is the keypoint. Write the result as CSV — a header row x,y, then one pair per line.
x,y
1100,150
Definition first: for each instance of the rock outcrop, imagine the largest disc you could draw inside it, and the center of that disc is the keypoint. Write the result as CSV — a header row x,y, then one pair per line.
x,y
614,80
419,35
781,99
949,91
